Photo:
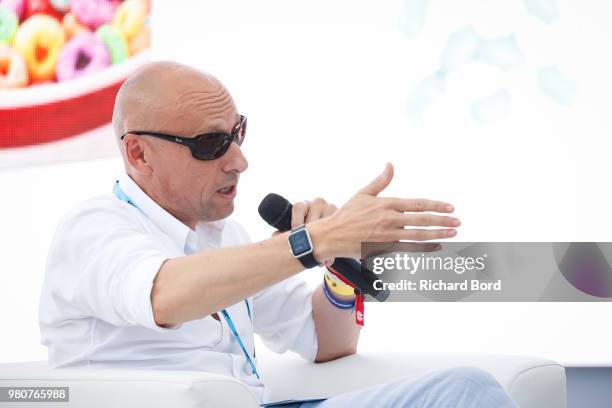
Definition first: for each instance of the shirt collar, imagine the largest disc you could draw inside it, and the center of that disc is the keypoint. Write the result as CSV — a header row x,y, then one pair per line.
x,y
178,232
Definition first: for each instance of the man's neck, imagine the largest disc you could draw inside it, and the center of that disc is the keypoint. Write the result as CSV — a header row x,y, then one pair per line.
x,y
191,224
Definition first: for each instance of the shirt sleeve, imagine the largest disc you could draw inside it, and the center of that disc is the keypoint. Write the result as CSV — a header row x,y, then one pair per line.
x,y
282,316
106,265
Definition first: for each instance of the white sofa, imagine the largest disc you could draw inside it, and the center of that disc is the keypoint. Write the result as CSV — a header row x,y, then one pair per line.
x,y
532,382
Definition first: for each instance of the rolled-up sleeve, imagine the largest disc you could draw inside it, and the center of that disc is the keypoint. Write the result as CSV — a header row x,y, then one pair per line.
x,y
112,269
282,316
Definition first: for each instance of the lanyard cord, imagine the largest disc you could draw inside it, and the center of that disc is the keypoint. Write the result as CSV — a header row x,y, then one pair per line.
x,y
230,323
124,197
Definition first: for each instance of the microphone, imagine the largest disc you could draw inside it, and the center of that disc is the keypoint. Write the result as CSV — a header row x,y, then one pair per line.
x,y
276,211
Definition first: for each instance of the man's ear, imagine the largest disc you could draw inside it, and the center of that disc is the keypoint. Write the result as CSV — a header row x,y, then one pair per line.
x,y
137,154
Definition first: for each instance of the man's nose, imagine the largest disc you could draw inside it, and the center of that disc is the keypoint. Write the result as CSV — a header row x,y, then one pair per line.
x,y
234,159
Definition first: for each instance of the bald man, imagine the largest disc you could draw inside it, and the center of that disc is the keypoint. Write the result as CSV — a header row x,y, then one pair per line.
x,y
157,276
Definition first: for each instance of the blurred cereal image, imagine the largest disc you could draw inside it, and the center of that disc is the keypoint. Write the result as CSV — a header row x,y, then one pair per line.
x,y
58,56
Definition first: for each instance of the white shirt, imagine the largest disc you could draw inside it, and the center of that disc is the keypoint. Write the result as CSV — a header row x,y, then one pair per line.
x,y
95,307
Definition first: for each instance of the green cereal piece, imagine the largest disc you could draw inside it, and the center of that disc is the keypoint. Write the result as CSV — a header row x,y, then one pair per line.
x,y
114,41
8,25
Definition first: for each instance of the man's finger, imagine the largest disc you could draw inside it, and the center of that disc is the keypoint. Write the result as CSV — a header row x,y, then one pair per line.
x,y
417,205
298,213
416,234
329,210
316,209
427,220
314,213
380,182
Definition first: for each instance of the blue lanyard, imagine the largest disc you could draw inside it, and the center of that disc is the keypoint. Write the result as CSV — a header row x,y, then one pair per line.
x,y
124,197
230,323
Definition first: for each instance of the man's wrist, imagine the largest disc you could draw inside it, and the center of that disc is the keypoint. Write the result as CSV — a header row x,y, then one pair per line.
x,y
319,236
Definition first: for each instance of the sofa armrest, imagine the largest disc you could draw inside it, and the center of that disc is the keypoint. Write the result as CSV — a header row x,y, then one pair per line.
x,y
531,382
103,388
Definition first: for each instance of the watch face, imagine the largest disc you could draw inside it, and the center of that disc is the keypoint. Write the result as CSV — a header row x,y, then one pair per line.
x,y
299,242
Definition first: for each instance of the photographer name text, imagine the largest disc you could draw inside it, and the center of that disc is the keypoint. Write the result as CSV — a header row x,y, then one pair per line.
x,y
428,285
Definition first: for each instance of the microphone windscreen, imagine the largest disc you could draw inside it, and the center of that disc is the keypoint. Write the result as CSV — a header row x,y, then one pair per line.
x,y
276,211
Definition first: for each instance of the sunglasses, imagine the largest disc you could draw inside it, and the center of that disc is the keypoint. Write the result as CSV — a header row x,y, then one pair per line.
x,y
207,146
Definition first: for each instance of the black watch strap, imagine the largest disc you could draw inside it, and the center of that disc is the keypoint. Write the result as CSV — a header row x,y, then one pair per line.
x,y
307,260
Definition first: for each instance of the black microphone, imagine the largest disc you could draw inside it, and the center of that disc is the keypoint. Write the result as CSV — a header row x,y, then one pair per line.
x,y
276,211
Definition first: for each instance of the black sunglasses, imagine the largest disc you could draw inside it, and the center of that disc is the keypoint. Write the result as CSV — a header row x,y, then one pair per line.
x,y
208,146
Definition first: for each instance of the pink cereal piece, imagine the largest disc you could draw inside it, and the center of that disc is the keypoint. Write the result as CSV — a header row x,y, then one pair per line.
x,y
13,70
93,13
83,54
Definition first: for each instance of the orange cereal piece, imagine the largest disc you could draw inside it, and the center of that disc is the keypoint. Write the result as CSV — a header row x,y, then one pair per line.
x,y
13,70
129,18
39,40
140,41
72,26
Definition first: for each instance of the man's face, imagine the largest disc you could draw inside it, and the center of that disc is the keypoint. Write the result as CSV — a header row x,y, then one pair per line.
x,y
195,189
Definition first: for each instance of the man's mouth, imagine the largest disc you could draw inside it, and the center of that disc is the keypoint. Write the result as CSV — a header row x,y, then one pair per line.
x,y
228,191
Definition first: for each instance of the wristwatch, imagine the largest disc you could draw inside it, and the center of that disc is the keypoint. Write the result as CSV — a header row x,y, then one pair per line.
x,y
301,246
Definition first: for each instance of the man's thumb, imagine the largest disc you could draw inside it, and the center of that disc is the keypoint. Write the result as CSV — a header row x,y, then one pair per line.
x,y
379,183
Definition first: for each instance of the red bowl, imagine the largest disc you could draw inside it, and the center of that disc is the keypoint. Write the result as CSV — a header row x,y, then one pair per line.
x,y
47,112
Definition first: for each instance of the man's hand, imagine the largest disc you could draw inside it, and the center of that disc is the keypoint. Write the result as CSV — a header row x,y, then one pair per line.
x,y
304,212
367,217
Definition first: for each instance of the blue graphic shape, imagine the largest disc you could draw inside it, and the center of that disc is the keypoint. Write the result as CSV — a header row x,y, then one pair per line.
x,y
492,108
501,52
545,10
413,16
461,47
424,94
557,86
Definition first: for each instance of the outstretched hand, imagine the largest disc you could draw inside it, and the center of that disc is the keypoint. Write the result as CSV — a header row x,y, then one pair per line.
x,y
368,217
